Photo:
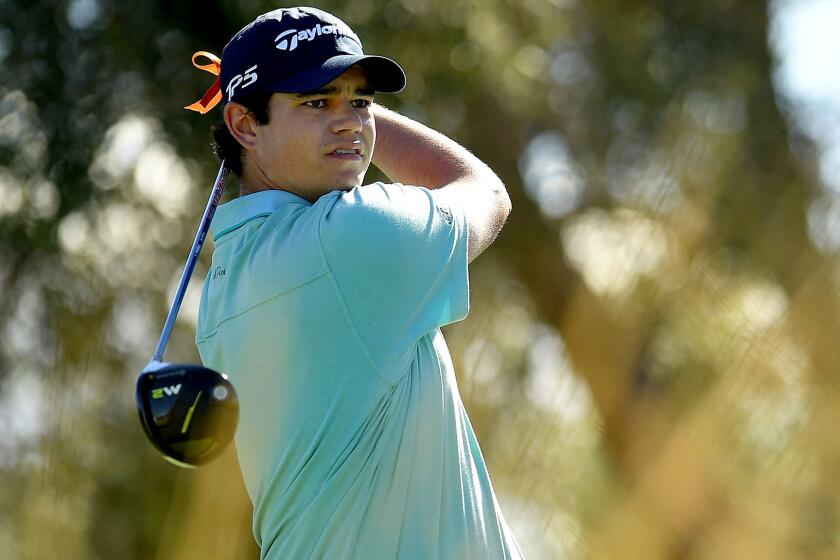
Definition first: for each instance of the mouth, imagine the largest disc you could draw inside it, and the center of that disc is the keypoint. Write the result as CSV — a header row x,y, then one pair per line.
x,y
346,153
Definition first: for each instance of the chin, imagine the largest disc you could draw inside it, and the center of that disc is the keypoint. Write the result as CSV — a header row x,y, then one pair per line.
x,y
343,187
348,185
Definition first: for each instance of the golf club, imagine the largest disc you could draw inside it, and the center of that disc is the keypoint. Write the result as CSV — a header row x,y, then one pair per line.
x,y
189,412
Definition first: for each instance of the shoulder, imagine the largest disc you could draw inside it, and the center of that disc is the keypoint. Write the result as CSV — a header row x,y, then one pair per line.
x,y
377,208
383,197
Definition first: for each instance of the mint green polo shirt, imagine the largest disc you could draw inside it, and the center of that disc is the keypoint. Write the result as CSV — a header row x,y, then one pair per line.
x,y
352,439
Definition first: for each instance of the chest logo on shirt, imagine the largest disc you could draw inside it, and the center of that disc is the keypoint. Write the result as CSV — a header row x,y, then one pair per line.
x,y
218,272
446,214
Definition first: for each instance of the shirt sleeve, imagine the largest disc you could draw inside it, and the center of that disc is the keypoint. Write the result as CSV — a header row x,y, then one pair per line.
x,y
398,256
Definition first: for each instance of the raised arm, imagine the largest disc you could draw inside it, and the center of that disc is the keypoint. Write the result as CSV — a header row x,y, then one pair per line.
x,y
412,153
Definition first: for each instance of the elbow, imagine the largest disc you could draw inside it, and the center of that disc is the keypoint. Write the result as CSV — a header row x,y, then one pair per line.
x,y
503,199
507,203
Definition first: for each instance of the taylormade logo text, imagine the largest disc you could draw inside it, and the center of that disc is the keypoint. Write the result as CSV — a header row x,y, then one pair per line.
x,y
288,40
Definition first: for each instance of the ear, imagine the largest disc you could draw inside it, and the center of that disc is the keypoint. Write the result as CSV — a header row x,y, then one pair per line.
x,y
241,125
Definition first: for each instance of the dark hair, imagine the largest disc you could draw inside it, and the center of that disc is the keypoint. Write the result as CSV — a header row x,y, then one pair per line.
x,y
222,142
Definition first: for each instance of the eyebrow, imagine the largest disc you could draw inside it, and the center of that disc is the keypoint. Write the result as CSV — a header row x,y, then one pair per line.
x,y
326,91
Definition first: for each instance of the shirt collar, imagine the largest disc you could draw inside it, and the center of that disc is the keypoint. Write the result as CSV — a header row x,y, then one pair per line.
x,y
233,214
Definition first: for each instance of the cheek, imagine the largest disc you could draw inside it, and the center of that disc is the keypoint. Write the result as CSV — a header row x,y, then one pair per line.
x,y
293,158
369,131
281,151
368,122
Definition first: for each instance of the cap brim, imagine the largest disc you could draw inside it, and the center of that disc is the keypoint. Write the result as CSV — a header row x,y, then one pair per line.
x,y
383,74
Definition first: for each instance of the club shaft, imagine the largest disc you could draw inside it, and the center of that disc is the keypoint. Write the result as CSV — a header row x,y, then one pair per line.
x,y
200,236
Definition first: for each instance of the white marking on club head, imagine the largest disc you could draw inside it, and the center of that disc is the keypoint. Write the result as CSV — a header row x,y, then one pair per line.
x,y
220,392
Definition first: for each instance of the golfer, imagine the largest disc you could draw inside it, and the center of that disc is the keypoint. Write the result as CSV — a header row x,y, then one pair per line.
x,y
325,299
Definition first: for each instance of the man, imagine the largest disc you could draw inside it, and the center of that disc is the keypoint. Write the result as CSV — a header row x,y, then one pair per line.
x,y
325,299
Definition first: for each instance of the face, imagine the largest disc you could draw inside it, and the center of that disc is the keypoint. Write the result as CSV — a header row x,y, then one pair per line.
x,y
301,149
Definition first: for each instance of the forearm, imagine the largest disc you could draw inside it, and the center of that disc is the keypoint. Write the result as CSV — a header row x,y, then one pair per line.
x,y
412,153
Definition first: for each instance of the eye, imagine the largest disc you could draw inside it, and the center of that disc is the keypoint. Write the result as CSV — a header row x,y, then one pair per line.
x,y
361,103
317,103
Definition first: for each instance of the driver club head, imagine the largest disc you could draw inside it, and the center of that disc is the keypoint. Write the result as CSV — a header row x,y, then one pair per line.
x,y
189,412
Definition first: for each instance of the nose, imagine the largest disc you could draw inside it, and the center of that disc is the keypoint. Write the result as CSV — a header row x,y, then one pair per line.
x,y
347,119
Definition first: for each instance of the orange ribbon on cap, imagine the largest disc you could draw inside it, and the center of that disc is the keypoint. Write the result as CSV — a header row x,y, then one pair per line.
x,y
213,95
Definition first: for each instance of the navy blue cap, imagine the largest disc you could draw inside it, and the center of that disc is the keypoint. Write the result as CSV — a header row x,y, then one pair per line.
x,y
293,50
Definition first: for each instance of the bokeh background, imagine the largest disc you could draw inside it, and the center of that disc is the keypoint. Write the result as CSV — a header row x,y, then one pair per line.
x,y
650,361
